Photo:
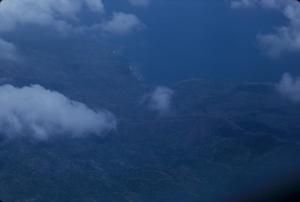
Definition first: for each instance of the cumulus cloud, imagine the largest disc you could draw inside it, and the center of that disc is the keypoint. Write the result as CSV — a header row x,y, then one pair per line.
x,y
160,100
122,23
139,2
7,50
289,87
62,16
59,13
286,38
40,113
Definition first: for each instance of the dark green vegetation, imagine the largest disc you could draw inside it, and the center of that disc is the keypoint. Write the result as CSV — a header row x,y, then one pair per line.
x,y
220,138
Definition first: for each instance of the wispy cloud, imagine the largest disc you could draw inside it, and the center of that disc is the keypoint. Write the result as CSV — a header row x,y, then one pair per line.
x,y
287,37
160,100
59,14
122,23
289,87
64,17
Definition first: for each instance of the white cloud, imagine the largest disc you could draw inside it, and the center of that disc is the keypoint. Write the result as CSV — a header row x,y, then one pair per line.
x,y
139,2
63,15
289,87
262,3
160,100
7,50
40,113
95,5
242,3
59,14
122,23
286,38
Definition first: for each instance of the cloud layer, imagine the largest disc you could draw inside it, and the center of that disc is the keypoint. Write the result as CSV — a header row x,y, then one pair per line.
x,y
64,17
286,38
40,113
59,14
160,100
289,87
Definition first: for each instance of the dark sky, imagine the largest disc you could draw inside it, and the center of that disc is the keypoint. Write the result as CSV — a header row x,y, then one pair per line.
x,y
207,39
175,39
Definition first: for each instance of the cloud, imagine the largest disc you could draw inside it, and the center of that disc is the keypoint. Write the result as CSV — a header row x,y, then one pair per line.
x,y
95,5
289,87
63,15
8,50
139,2
286,38
160,100
121,23
242,3
40,113
262,3
59,14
